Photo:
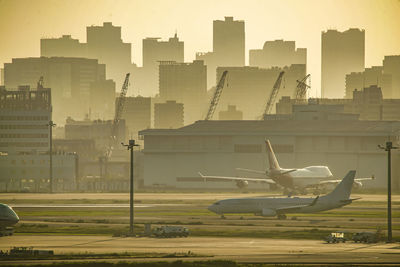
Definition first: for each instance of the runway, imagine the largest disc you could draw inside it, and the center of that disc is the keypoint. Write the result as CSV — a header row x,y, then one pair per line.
x,y
238,249
93,205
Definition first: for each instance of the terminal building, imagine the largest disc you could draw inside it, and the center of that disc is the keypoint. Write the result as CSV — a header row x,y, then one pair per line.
x,y
24,144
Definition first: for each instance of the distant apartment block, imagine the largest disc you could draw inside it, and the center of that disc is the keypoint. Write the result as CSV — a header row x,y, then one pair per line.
x,y
341,54
367,104
69,78
137,114
370,76
185,83
24,115
228,47
278,53
153,51
391,66
168,115
230,114
249,88
103,43
101,103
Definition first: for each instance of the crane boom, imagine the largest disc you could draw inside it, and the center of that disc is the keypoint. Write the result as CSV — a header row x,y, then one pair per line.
x,y
216,96
118,112
301,88
274,94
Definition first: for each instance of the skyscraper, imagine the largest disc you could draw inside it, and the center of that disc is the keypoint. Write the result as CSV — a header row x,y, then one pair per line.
x,y
155,51
228,47
278,53
185,83
103,43
229,42
391,66
341,54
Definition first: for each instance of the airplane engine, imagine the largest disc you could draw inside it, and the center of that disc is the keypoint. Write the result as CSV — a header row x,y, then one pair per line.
x,y
357,185
242,184
268,213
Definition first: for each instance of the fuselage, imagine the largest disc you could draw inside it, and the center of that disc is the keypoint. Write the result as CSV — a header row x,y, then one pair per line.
x,y
8,217
259,205
300,177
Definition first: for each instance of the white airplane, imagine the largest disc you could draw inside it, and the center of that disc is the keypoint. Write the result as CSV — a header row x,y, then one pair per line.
x,y
292,180
273,206
8,218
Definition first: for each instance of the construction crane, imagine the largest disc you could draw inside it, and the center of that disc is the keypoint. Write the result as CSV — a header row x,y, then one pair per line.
x,y
301,88
217,94
273,95
118,113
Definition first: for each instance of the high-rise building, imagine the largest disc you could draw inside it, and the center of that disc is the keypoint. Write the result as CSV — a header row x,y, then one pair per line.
x,y
137,114
24,115
341,54
278,53
370,76
229,42
168,115
64,46
102,95
185,83
69,78
250,87
228,47
103,43
155,51
230,114
391,66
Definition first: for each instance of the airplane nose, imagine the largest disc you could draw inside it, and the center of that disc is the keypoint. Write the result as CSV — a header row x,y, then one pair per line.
x,y
212,208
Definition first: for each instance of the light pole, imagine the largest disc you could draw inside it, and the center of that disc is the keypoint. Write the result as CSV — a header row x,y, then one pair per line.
x,y
51,124
389,146
130,147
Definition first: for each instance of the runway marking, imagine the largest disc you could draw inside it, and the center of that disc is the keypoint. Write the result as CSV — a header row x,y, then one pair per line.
x,y
91,205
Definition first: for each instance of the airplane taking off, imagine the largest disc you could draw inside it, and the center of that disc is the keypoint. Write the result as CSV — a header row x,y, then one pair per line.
x,y
292,180
270,206
8,218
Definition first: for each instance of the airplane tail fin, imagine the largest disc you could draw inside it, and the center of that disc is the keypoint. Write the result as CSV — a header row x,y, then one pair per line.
x,y
343,189
273,162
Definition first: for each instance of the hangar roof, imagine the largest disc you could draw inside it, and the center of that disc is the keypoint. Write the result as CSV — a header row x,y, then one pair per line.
x,y
283,127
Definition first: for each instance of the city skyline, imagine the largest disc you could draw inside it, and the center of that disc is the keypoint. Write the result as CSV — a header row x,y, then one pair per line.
x,y
140,19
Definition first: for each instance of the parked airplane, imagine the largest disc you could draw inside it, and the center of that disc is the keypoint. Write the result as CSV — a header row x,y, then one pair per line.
x,y
292,180
270,206
8,218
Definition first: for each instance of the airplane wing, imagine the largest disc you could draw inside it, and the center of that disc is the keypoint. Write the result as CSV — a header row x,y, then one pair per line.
x,y
260,180
296,207
338,181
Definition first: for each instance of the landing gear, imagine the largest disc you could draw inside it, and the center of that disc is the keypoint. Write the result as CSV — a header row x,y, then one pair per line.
x,y
282,217
223,217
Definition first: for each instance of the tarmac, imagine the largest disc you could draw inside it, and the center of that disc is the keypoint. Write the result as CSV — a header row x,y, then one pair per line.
x,y
237,249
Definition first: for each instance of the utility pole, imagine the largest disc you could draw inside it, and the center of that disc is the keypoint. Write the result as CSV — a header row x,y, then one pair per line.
x,y
51,124
389,146
130,147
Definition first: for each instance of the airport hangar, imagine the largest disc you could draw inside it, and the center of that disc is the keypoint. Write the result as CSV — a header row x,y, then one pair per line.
x,y
173,157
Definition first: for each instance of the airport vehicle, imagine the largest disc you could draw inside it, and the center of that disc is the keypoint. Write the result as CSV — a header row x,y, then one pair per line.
x,y
8,218
335,237
280,206
171,231
367,237
294,181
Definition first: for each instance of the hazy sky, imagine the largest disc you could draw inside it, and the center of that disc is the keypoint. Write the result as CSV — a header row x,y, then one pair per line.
x,y
24,22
